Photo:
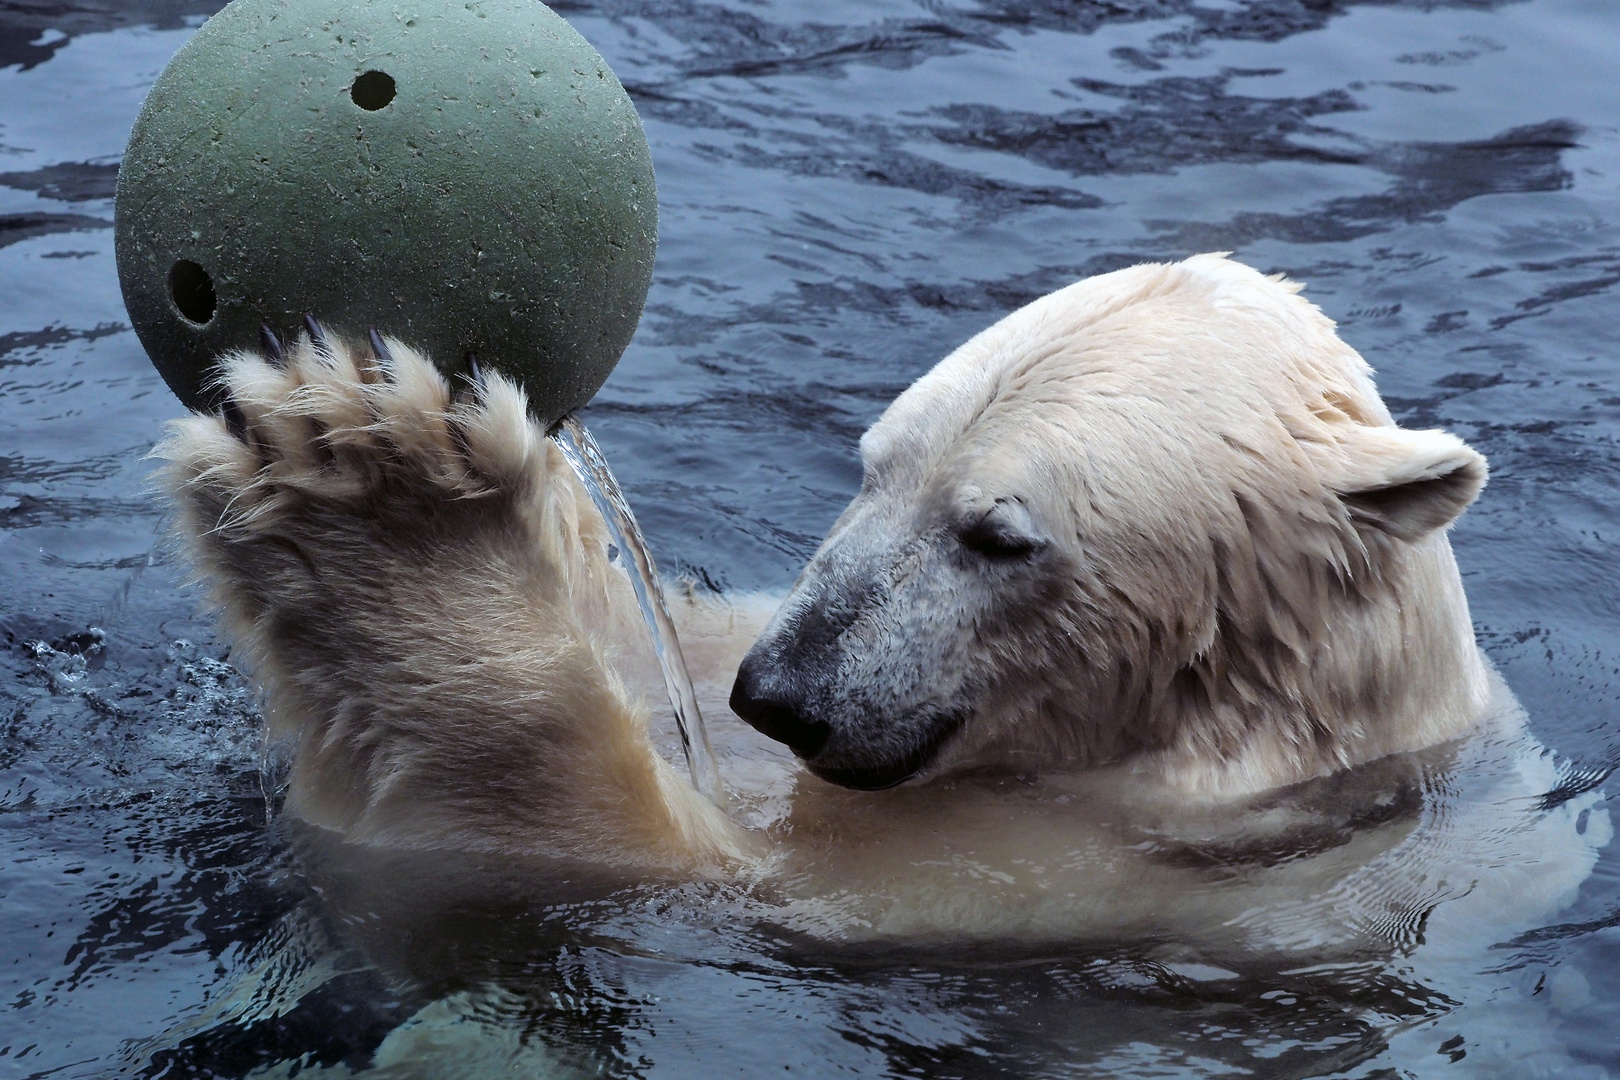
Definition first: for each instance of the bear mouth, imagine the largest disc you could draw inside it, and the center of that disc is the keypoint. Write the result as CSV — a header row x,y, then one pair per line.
x,y
877,777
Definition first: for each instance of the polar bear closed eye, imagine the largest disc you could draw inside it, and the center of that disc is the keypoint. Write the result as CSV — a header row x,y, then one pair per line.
x,y
1159,517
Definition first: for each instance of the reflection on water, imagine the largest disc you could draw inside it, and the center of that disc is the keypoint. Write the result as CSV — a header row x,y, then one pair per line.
x,y
847,191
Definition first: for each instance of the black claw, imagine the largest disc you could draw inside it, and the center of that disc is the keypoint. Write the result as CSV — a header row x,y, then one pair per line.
x,y
235,422
317,336
269,344
378,349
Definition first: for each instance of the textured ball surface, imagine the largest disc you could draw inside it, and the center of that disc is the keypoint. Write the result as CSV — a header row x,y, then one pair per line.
x,y
468,177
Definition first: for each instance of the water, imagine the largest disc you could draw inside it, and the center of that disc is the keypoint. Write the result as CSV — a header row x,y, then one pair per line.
x,y
846,192
592,469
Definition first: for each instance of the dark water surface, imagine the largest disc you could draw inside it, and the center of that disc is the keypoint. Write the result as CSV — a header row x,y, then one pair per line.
x,y
847,190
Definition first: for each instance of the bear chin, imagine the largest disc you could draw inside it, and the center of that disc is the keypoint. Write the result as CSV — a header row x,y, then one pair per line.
x,y
885,775
422,591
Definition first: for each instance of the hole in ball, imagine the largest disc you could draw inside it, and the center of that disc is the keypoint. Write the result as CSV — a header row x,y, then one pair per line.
x,y
373,90
192,291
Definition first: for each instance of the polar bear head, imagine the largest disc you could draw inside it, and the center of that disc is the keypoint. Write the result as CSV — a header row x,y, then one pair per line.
x,y
1160,514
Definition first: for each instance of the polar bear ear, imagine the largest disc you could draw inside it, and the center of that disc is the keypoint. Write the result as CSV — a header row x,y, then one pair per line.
x,y
1408,483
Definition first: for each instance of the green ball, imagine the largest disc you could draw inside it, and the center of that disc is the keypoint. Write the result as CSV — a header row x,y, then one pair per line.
x,y
464,176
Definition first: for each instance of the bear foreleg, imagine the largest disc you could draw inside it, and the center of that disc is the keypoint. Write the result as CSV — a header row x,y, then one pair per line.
x,y
419,586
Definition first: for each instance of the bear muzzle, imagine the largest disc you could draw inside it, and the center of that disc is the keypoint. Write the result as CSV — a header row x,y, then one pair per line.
x,y
773,713
889,771
838,755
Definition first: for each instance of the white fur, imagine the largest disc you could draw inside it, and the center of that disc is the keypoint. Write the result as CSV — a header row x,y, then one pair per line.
x,y
1242,578
422,591
421,588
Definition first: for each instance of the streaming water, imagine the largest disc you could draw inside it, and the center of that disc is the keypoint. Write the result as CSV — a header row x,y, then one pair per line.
x,y
636,561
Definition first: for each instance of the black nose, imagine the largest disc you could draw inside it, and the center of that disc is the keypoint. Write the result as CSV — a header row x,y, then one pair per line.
x,y
771,714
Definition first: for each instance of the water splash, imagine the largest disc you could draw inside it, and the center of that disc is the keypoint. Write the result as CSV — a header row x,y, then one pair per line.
x,y
592,469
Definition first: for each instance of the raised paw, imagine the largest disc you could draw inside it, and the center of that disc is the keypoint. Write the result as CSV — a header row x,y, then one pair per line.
x,y
421,588
356,460
366,534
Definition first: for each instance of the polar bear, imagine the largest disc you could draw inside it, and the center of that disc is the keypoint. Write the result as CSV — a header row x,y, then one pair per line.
x,y
1146,555
1145,608
1160,516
